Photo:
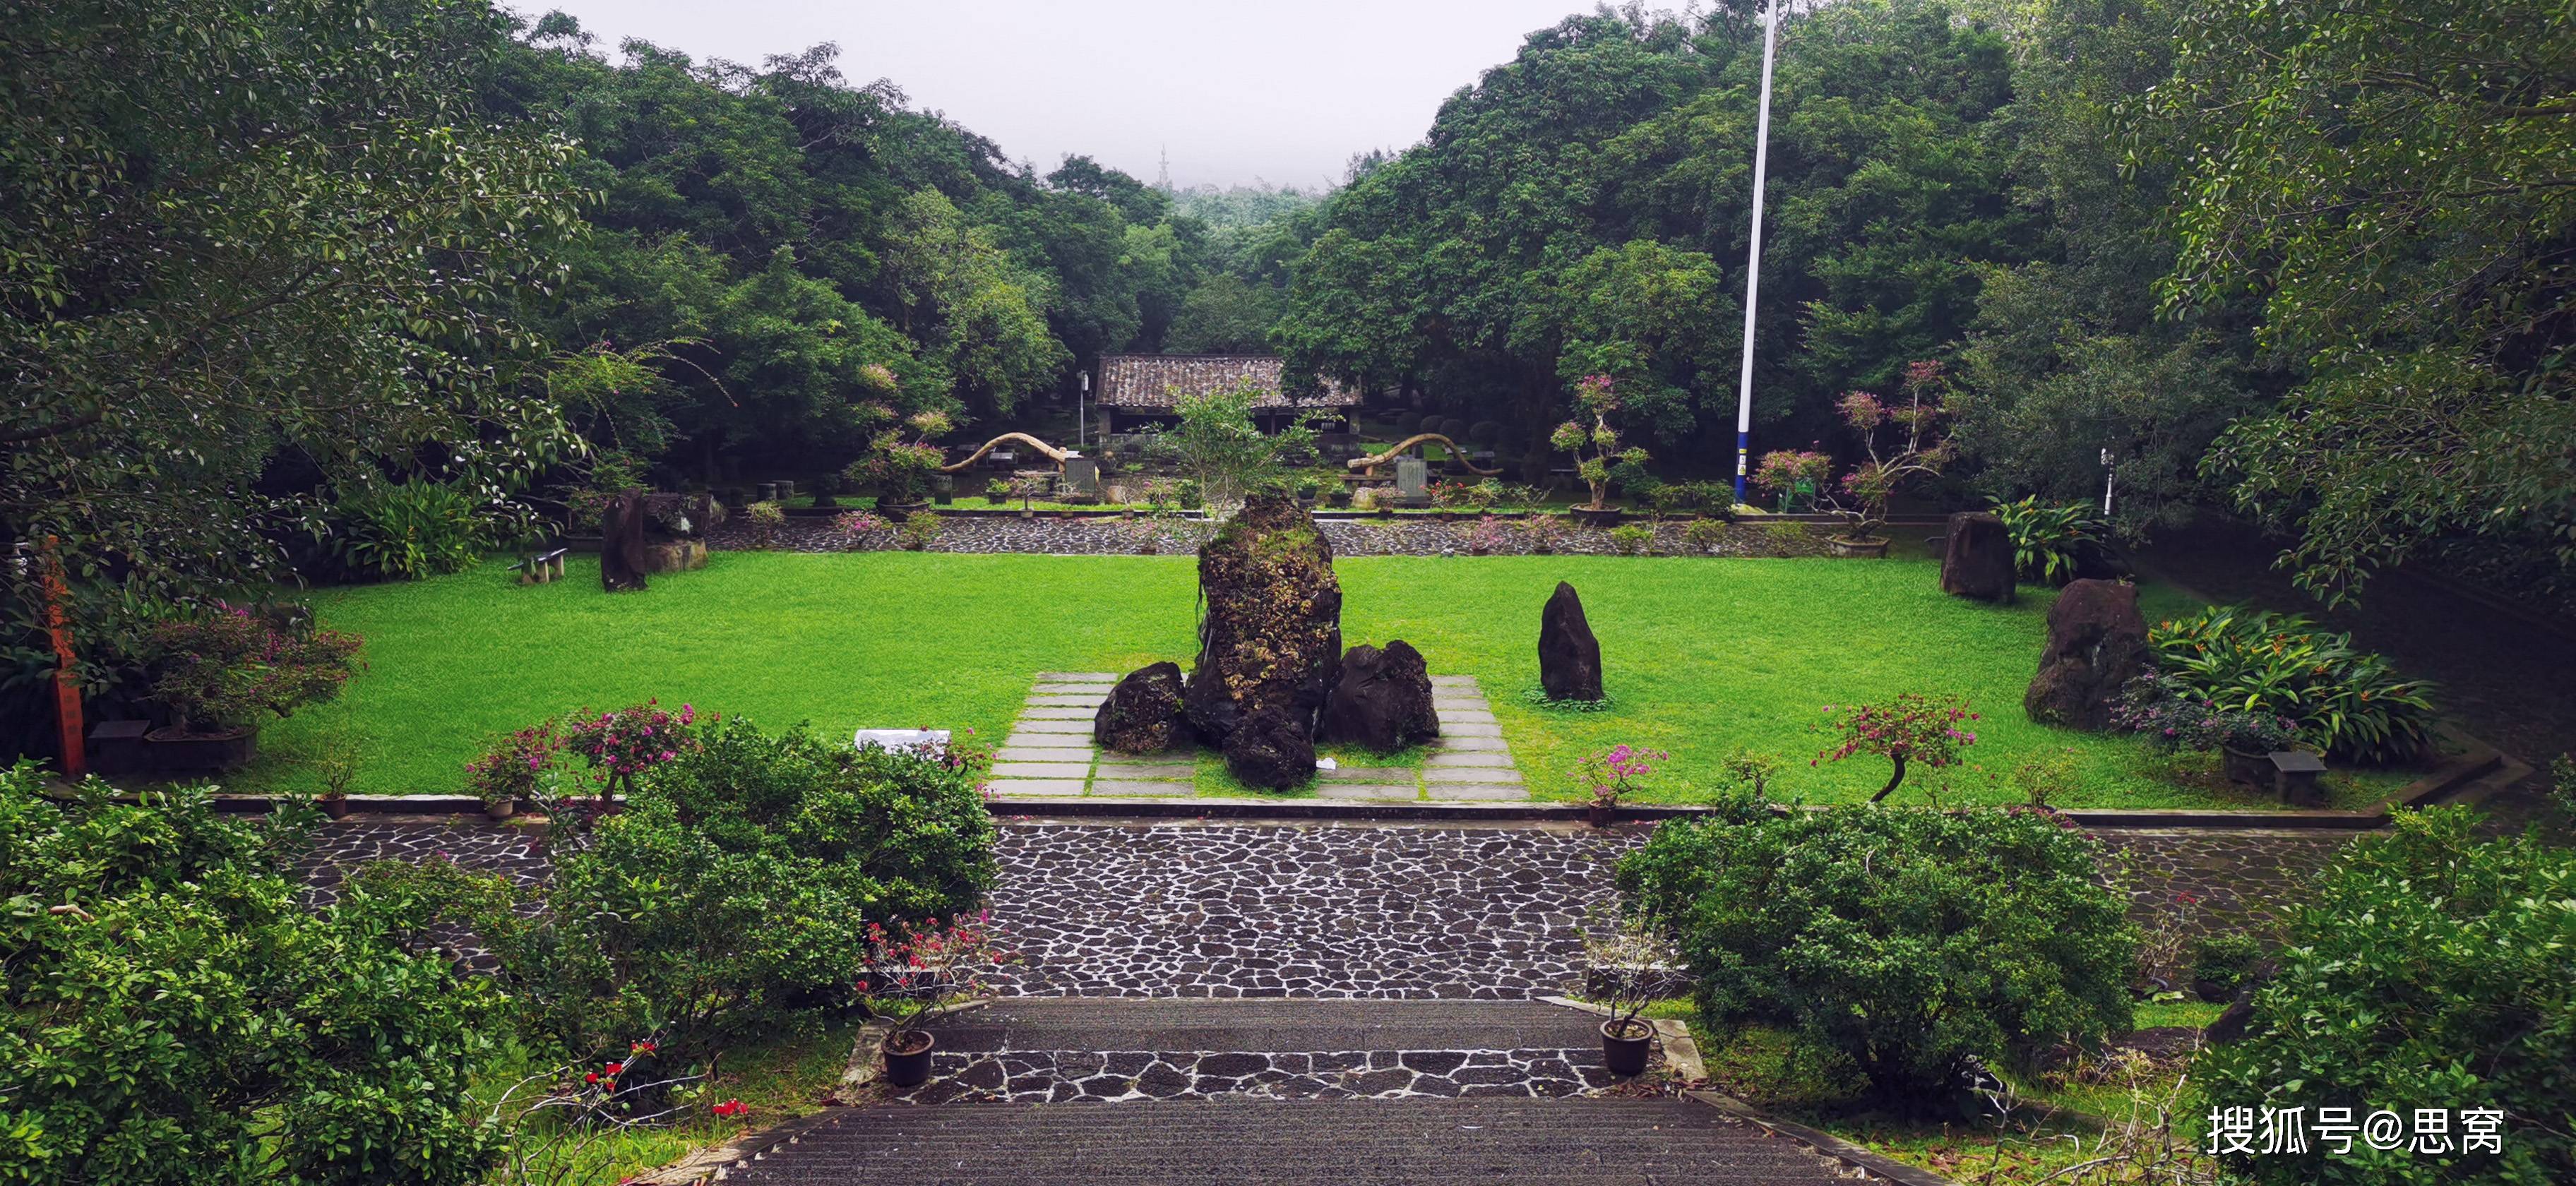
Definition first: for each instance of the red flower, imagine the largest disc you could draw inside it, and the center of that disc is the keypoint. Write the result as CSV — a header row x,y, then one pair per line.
x,y
615,1068
592,1077
643,1048
730,1108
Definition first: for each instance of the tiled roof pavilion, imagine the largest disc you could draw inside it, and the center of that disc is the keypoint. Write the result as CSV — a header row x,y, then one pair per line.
x,y
1151,382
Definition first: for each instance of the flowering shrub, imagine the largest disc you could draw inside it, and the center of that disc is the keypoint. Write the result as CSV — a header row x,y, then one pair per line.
x,y
513,768
1912,727
919,973
2170,718
550,1126
1613,773
1781,471
226,670
1543,534
1488,535
731,896
859,531
624,742
1913,943
1595,448
2349,703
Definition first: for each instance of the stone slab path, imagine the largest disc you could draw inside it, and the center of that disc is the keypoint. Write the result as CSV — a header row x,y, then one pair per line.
x,y
1302,1142
1050,753
1119,1050
1287,910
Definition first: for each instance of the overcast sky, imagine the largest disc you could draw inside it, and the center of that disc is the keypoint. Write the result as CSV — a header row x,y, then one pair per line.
x,y
1283,91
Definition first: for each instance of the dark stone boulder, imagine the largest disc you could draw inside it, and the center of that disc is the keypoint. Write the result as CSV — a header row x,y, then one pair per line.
x,y
1272,747
1143,713
1977,558
1271,639
1382,701
2097,641
622,558
1569,658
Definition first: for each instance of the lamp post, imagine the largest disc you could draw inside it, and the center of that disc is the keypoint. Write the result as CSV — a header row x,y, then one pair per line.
x,y
1081,418
1753,252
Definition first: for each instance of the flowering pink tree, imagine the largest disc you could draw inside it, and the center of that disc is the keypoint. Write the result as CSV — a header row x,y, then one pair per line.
x,y
921,973
1781,470
622,743
1596,447
1913,727
1904,443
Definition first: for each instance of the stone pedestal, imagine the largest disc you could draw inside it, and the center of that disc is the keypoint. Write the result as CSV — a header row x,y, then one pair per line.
x,y
1412,482
1977,558
1270,644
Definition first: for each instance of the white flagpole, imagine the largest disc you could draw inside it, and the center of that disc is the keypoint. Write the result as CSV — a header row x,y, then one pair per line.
x,y
1753,253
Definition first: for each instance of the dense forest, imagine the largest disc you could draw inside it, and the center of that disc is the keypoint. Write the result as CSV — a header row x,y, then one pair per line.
x,y
272,272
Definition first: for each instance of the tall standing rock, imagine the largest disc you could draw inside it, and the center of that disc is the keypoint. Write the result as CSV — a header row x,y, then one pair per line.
x,y
1143,713
2097,641
1977,558
621,547
1383,699
1569,658
1271,640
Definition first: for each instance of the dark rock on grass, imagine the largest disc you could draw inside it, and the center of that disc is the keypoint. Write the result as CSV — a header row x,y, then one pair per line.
x,y
1977,558
1569,658
2097,641
1272,748
622,559
1271,640
1382,701
1143,713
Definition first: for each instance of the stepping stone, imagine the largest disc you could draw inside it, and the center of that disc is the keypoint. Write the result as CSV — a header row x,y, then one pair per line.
x,y
1031,787
1470,730
1163,790
1077,677
1480,744
1451,790
1027,740
1453,681
1082,727
1073,770
1189,758
1464,716
1041,753
1068,699
1058,712
1440,774
1389,775
1341,790
1162,773
1450,761
1076,685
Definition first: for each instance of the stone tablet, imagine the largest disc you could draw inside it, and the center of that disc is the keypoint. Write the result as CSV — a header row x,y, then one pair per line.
x,y
898,740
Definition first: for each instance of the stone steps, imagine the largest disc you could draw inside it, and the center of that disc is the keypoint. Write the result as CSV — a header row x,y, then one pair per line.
x,y
1232,1142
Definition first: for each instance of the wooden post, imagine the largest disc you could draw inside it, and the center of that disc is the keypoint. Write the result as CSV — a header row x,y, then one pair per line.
x,y
67,699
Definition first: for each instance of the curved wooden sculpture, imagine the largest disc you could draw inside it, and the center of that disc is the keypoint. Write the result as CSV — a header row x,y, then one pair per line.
x,y
1052,453
1368,465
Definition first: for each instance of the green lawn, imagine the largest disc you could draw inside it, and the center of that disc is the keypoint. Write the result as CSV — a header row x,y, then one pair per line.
x,y
1703,656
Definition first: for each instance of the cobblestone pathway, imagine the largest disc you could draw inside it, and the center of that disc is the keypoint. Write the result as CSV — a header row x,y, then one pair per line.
x,y
1050,752
2241,879
484,848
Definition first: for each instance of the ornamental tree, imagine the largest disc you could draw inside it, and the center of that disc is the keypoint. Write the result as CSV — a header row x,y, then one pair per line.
x,y
1595,448
1912,727
902,459
1904,443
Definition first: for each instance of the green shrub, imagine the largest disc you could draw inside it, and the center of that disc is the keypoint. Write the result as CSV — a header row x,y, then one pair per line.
x,y
2427,971
1632,539
2050,541
409,530
234,668
2225,960
1704,534
1910,944
177,1013
733,892
2350,704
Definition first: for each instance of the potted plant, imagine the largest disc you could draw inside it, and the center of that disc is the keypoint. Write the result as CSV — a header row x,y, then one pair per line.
x,y
900,464
1611,774
1627,965
1019,486
335,762
1916,450
1595,448
222,674
919,975
511,769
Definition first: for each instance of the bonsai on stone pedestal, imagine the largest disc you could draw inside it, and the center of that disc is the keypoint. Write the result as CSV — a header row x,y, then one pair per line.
x,y
1595,448
222,674
1915,450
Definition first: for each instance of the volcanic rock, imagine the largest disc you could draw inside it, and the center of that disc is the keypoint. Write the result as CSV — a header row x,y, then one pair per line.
x,y
1143,713
1383,699
2097,641
1569,658
1977,558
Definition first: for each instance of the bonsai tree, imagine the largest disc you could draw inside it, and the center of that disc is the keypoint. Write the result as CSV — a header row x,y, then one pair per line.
x,y
1016,486
1786,473
901,460
1904,444
1912,727
224,673
920,974
1218,448
1595,448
